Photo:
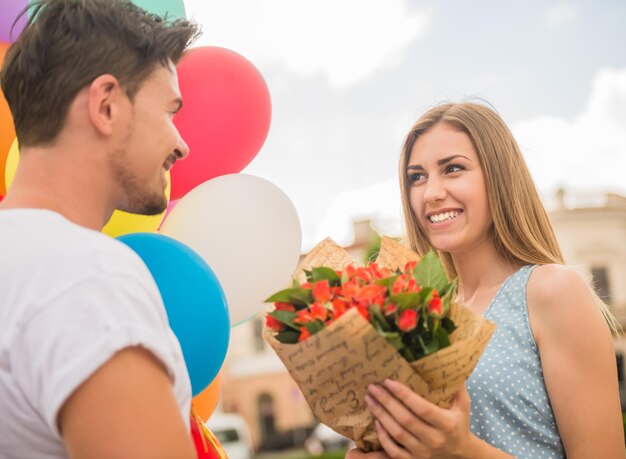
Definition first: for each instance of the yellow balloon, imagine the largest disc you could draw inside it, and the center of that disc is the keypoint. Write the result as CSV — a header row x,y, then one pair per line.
x,y
11,165
120,222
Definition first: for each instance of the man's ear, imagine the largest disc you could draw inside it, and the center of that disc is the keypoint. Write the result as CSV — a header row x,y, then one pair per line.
x,y
105,97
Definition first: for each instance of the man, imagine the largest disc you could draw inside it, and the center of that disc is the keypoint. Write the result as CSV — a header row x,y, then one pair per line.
x,y
88,365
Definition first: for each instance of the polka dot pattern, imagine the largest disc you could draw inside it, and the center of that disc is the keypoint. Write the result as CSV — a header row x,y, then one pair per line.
x,y
510,405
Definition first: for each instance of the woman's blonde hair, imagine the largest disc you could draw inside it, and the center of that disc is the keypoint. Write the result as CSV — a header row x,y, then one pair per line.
x,y
521,231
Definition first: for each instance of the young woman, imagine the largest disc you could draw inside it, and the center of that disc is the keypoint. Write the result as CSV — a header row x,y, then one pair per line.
x,y
546,386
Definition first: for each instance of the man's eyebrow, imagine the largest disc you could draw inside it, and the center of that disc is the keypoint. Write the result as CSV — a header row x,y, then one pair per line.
x,y
439,162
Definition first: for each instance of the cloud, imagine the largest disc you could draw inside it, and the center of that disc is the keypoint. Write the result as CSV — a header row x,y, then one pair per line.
x,y
379,202
587,152
583,154
344,40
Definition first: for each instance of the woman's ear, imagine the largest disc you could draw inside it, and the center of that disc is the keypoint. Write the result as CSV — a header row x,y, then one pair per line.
x,y
105,97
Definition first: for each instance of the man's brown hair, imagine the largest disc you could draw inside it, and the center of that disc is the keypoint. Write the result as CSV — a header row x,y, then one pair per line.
x,y
69,43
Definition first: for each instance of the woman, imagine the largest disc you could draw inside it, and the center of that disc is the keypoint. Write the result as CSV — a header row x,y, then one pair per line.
x,y
546,385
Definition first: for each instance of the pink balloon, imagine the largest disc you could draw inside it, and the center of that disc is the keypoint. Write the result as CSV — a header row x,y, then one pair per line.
x,y
170,206
225,116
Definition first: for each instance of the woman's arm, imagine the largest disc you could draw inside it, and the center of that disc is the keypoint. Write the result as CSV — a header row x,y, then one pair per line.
x,y
578,362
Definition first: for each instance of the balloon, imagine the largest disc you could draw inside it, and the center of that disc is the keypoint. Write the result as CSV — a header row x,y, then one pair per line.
x,y
10,10
13,158
225,117
194,301
125,223
205,402
120,222
248,230
174,9
7,129
206,443
170,206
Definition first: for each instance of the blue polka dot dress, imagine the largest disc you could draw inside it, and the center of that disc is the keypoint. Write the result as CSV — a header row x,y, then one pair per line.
x,y
510,405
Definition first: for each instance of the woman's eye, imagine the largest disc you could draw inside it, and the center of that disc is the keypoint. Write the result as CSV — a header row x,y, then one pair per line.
x,y
454,168
415,177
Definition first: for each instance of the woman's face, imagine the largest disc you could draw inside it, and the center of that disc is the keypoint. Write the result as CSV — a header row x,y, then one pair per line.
x,y
447,191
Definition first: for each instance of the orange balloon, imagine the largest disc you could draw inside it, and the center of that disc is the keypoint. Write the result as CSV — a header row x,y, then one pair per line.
x,y
7,129
205,402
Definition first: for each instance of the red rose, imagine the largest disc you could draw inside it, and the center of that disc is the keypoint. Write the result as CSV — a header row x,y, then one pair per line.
x,y
435,306
284,307
407,320
304,334
321,291
271,322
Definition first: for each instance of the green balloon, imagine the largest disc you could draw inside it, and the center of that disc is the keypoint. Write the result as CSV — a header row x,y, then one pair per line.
x,y
174,9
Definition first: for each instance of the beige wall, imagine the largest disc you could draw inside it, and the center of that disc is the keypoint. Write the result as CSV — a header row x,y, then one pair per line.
x,y
595,236
241,395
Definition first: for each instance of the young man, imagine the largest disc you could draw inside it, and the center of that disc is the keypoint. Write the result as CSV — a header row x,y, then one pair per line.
x,y
88,365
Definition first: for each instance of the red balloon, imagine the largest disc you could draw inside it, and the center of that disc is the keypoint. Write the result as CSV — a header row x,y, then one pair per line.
x,y
225,116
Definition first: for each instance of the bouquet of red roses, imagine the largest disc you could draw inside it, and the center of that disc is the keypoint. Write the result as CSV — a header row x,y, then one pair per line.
x,y
408,307
341,327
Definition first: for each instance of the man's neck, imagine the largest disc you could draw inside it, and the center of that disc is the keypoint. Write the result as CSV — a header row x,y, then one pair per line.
x,y
50,178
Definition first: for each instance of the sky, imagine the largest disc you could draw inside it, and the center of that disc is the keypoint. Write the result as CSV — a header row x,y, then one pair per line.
x,y
348,78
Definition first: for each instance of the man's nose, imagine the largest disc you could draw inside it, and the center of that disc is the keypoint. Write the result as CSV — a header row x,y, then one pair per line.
x,y
182,148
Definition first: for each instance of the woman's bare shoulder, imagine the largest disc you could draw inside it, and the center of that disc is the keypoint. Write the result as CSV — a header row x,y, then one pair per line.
x,y
560,297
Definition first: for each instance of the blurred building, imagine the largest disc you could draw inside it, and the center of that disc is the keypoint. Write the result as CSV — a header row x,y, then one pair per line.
x,y
591,230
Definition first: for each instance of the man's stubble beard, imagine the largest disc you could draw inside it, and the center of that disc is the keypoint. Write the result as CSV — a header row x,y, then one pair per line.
x,y
140,199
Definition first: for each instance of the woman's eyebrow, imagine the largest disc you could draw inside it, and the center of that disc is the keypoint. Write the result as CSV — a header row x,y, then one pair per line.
x,y
439,162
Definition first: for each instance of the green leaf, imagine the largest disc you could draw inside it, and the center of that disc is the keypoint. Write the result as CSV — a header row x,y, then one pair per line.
x,y
449,289
314,327
299,297
443,340
285,317
387,282
323,273
379,320
280,297
429,272
406,300
448,325
394,339
425,295
308,274
447,296
409,354
430,347
288,336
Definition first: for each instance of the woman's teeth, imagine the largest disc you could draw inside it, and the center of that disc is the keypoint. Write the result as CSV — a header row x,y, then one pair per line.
x,y
442,217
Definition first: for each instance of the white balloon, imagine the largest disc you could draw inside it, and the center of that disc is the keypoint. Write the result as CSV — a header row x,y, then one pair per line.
x,y
249,233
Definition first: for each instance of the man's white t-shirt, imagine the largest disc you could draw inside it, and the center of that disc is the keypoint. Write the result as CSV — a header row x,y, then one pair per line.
x,y
70,298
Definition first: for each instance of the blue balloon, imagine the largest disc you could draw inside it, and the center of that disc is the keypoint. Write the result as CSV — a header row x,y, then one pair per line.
x,y
194,300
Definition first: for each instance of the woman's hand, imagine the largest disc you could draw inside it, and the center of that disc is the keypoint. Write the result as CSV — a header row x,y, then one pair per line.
x,y
409,426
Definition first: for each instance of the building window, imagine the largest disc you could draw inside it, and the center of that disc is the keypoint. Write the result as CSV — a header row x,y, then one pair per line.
x,y
259,342
265,405
601,283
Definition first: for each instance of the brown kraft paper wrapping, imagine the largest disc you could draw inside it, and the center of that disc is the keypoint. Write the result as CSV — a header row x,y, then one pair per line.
x,y
334,367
